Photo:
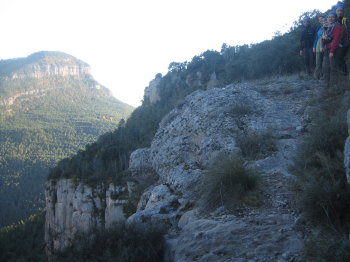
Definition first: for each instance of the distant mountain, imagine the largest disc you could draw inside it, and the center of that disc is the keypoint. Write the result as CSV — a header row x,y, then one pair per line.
x,y
50,107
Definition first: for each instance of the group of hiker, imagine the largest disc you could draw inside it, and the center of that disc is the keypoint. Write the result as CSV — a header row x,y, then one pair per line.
x,y
326,45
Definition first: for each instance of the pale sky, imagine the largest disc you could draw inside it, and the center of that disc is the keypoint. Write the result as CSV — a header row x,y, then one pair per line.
x,y
127,42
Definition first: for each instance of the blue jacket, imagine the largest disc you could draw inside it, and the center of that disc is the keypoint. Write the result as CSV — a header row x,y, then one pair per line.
x,y
318,35
307,37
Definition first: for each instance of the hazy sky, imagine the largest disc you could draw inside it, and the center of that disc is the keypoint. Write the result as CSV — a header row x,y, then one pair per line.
x,y
127,42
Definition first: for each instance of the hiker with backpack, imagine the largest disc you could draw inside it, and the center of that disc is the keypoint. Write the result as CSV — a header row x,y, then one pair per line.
x,y
331,41
344,44
318,47
306,45
339,9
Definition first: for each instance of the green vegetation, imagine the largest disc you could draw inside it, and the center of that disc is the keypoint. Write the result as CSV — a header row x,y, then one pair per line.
x,y
327,247
320,166
323,192
257,145
56,117
240,110
229,183
24,241
123,242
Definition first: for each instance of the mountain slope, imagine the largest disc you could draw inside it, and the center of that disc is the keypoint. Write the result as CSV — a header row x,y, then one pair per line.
x,y
50,107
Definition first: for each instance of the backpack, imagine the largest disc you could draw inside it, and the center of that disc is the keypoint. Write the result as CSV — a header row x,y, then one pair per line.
x,y
345,41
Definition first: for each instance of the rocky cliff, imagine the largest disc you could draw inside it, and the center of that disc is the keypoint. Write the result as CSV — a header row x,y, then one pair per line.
x,y
151,91
206,127
40,67
42,64
72,208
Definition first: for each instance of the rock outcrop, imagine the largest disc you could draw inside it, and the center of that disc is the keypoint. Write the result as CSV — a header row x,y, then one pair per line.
x,y
207,125
213,82
203,129
72,208
44,64
43,67
42,70
151,91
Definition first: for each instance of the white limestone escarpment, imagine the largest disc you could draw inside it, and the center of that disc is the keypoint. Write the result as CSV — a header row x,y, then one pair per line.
x,y
46,64
72,208
30,75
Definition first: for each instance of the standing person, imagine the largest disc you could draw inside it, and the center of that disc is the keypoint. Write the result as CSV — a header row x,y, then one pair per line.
x,y
306,44
345,41
339,9
331,41
318,48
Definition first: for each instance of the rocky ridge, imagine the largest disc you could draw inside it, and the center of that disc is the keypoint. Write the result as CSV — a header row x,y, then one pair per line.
x,y
204,128
46,66
43,64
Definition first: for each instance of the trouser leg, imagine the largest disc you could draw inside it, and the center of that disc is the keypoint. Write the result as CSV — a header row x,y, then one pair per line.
x,y
308,59
340,60
311,60
318,69
333,76
326,68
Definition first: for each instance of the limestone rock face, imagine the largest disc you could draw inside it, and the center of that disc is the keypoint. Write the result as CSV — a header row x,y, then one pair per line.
x,y
213,82
74,208
160,206
205,128
151,92
39,71
140,167
45,64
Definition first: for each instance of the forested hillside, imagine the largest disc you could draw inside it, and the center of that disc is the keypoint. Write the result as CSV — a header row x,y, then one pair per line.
x,y
50,107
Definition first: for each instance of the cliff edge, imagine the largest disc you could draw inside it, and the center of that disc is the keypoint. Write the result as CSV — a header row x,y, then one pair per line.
x,y
206,127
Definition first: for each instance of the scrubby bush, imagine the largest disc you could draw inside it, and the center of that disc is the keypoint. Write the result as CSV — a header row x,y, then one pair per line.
x,y
257,145
241,109
323,191
121,243
328,247
229,183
